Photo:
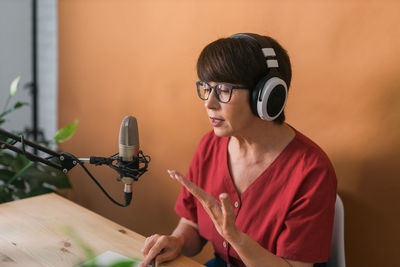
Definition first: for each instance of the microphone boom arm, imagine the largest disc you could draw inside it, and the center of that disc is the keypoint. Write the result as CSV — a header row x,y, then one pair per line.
x,y
133,169
30,156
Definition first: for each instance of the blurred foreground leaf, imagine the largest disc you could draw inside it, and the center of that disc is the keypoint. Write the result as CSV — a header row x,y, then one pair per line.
x,y
66,132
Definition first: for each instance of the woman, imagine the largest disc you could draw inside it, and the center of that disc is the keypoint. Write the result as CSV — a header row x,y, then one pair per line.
x,y
258,189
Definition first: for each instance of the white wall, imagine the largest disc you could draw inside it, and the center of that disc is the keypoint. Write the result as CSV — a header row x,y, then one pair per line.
x,y
48,66
15,59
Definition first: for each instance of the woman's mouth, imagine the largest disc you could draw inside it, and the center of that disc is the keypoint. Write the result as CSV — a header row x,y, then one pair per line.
x,y
215,122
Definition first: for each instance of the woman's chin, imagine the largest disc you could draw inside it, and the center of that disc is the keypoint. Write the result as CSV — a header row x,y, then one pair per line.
x,y
220,132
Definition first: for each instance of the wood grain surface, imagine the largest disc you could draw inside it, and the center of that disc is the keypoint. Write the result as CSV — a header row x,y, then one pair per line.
x,y
33,233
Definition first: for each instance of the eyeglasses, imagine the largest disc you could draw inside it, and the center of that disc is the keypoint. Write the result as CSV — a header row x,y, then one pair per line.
x,y
222,91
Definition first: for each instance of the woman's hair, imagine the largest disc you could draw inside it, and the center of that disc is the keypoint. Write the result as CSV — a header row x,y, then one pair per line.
x,y
241,61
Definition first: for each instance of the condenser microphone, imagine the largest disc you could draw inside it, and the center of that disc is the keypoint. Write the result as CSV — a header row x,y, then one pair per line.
x,y
128,139
128,151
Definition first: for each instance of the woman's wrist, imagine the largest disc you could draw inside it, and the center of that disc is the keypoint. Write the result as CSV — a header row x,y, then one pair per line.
x,y
237,238
180,239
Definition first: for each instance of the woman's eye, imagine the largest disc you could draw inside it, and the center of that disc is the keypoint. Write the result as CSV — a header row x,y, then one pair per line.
x,y
223,91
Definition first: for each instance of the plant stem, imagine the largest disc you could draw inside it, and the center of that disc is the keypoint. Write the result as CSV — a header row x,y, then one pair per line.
x,y
6,105
24,169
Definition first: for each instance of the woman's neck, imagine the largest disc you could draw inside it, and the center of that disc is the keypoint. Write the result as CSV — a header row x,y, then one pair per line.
x,y
263,140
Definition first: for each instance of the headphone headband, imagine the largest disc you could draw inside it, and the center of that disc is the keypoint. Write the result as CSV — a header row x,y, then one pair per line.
x,y
268,98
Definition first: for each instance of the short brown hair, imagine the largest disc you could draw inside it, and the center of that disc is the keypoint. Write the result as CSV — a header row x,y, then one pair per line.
x,y
241,61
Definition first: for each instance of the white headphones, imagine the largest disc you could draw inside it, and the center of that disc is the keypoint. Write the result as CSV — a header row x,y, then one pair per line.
x,y
268,97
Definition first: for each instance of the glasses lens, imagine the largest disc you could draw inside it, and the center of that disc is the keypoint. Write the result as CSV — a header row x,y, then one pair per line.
x,y
203,90
224,92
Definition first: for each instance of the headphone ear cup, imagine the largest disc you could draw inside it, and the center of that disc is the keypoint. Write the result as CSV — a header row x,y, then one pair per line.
x,y
255,94
270,98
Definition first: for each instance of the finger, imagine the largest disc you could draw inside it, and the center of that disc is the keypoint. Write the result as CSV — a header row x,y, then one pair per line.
x,y
145,248
155,250
165,256
146,261
149,243
229,230
214,208
177,176
209,203
227,209
199,193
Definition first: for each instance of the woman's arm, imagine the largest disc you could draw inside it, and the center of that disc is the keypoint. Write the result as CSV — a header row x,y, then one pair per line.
x,y
192,241
252,254
223,216
184,239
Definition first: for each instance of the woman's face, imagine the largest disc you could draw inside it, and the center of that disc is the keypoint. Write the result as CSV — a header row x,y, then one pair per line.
x,y
232,118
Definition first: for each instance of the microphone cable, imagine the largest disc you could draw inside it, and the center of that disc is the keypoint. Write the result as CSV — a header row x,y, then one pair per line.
x,y
128,196
108,161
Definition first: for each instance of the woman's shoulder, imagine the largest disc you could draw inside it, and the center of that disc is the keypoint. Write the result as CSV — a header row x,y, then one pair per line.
x,y
306,147
308,154
311,162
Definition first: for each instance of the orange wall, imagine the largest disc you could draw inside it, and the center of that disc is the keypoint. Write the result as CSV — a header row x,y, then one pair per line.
x,y
120,57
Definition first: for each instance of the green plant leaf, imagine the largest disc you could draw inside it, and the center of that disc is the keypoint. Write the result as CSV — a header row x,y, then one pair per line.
x,y
4,195
19,104
20,162
66,132
35,192
6,175
14,85
7,159
20,193
16,106
45,176
19,173
127,263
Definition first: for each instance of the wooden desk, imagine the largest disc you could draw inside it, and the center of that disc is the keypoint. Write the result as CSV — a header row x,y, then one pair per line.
x,y
31,235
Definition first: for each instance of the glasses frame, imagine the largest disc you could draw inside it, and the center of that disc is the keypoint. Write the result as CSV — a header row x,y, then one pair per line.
x,y
213,88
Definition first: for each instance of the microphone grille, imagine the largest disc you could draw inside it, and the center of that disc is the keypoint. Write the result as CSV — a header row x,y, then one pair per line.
x,y
128,134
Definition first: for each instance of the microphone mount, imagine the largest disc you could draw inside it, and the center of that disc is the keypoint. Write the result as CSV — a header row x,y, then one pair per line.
x,y
133,169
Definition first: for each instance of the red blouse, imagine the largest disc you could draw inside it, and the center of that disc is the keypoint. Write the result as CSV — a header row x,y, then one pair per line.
x,y
288,209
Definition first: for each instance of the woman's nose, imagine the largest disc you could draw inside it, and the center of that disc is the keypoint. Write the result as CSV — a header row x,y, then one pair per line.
x,y
212,101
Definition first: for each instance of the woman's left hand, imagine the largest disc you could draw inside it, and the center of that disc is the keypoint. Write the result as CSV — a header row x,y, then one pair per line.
x,y
221,213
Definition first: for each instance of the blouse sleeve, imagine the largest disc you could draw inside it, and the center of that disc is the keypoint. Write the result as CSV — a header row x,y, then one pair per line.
x,y
185,205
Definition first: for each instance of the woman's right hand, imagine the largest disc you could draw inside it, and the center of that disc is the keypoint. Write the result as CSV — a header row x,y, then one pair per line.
x,y
162,248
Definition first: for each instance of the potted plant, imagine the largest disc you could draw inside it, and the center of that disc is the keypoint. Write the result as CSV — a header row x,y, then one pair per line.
x,y
21,178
